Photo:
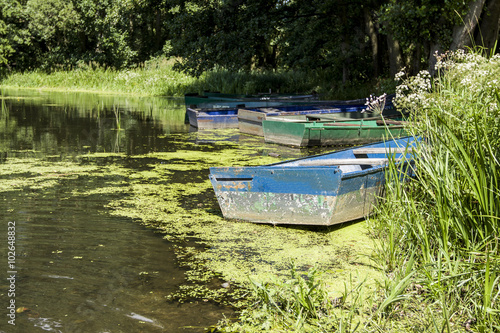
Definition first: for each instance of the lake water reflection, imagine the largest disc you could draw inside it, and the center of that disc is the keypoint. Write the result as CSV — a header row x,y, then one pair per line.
x,y
80,269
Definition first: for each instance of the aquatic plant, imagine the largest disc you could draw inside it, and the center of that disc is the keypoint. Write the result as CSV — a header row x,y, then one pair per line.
x,y
301,302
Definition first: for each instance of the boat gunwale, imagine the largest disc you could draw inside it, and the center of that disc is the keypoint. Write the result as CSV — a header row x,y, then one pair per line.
x,y
344,174
345,149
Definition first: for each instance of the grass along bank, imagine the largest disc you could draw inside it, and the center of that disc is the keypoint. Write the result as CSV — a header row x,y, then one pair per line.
x,y
157,78
445,222
154,78
436,235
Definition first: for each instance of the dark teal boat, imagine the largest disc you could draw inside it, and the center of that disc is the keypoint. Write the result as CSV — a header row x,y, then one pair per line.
x,y
212,100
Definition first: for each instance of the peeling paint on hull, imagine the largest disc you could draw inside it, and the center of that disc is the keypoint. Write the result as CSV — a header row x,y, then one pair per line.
x,y
289,208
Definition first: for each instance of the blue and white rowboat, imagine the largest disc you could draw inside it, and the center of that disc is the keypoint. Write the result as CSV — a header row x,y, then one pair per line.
x,y
318,190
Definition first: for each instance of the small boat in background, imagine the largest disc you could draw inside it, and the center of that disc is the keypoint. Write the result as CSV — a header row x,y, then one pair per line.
x,y
250,120
284,131
212,118
229,117
321,190
215,100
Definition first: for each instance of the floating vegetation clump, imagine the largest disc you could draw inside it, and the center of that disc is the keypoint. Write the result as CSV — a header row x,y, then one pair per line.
x,y
17,174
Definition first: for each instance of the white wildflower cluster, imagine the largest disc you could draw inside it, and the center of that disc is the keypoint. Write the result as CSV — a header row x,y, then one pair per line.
x,y
476,81
493,108
471,78
468,70
375,104
155,79
127,76
413,92
493,84
458,59
471,83
399,76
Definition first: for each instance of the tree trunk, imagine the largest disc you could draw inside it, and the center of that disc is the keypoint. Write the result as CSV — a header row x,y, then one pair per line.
x,y
372,33
463,34
414,62
490,26
395,58
435,48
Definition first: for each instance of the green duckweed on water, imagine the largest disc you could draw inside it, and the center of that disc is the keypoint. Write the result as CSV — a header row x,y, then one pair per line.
x,y
173,195
171,192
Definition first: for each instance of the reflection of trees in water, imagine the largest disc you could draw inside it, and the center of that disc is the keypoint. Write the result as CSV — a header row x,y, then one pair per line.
x,y
78,123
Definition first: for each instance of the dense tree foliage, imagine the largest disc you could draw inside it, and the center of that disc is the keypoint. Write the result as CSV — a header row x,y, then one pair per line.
x,y
347,39
51,34
14,35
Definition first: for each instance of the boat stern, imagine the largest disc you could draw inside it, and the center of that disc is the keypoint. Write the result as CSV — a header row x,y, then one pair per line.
x,y
286,195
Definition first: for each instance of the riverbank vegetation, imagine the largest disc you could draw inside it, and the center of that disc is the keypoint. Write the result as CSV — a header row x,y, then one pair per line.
x,y
445,222
158,78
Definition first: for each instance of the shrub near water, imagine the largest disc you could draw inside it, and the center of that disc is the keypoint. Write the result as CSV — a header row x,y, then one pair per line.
x,y
448,217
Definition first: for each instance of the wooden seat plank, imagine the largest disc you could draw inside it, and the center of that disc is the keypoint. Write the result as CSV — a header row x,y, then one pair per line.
x,y
345,161
388,150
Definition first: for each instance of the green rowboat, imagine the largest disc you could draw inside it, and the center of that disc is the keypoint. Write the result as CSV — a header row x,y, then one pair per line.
x,y
307,134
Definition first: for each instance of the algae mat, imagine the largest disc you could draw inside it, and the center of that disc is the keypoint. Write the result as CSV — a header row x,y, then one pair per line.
x,y
171,193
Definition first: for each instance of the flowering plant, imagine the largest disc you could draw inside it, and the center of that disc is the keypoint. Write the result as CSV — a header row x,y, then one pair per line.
x,y
375,104
413,92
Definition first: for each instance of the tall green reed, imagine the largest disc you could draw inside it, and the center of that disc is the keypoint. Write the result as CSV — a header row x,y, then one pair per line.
x,y
4,107
448,216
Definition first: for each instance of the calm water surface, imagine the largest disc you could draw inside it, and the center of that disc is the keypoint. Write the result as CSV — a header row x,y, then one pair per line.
x,y
80,269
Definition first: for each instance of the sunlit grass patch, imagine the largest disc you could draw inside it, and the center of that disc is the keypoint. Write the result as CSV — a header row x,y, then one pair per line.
x,y
157,78
152,79
447,218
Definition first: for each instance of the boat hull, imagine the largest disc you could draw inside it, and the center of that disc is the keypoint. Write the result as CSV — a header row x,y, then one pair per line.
x,y
308,134
353,199
250,121
212,118
288,193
